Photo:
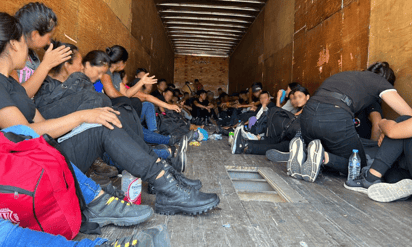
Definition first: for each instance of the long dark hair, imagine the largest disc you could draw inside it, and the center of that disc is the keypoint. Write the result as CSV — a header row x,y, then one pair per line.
x,y
10,29
117,53
36,16
383,69
73,48
97,58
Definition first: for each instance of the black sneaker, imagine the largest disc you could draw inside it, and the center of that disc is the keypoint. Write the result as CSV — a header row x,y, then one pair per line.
x,y
239,143
384,192
316,154
359,184
197,184
174,197
277,156
156,236
107,209
297,157
179,161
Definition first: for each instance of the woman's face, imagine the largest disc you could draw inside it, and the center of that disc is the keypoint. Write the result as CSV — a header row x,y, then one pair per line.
x,y
300,99
36,41
120,66
76,66
95,72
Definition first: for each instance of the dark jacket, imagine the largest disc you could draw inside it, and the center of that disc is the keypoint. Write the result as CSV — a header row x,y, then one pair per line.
x,y
55,99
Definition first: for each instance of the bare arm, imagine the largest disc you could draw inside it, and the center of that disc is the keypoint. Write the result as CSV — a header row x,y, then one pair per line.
x,y
51,59
108,87
395,130
375,118
147,97
144,81
397,103
59,126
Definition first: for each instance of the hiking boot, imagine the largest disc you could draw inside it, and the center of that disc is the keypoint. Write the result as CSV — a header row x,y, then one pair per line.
x,y
179,161
175,197
173,140
384,192
101,180
360,184
101,168
297,157
239,143
190,136
197,184
156,236
113,191
107,209
277,156
316,155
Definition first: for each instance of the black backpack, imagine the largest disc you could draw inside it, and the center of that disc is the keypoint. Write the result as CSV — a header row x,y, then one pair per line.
x,y
172,123
261,124
282,125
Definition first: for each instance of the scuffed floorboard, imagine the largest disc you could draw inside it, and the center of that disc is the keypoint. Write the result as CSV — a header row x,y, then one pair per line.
x,y
333,215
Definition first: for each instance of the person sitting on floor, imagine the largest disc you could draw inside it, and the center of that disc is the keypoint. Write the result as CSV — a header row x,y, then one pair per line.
x,y
288,104
274,148
327,119
386,179
108,136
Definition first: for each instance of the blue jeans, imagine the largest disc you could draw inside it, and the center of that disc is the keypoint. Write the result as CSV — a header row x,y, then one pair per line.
x,y
154,138
149,115
15,236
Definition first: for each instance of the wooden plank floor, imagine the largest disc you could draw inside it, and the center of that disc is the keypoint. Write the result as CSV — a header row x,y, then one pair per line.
x,y
332,216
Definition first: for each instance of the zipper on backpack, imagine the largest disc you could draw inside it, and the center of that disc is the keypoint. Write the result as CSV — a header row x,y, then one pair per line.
x,y
5,189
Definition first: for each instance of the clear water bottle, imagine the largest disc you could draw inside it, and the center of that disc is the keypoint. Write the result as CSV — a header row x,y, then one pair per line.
x,y
354,165
132,187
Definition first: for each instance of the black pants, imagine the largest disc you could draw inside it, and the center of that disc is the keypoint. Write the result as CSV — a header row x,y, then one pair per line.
x,y
260,147
124,146
201,113
334,127
392,150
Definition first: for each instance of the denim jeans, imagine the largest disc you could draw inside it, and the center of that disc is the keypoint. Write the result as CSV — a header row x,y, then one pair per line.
x,y
149,115
154,138
15,236
334,127
393,149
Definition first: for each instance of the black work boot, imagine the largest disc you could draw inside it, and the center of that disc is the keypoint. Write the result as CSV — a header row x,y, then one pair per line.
x,y
174,197
197,184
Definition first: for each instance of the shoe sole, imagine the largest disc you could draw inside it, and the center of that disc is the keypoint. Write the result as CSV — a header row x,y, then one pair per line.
x,y
296,158
277,156
234,138
125,221
384,192
314,160
172,210
356,189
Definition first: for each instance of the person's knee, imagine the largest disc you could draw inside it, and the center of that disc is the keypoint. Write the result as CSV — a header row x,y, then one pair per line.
x,y
402,118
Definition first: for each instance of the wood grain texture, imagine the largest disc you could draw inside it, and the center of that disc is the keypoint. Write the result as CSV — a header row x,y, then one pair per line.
x,y
97,24
332,216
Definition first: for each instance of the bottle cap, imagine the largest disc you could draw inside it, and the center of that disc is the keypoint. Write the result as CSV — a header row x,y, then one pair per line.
x,y
355,151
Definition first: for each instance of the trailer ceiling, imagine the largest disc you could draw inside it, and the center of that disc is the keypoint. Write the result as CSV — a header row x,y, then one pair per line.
x,y
207,28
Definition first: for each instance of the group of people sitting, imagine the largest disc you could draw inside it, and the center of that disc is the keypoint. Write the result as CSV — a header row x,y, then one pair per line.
x,y
57,96
87,102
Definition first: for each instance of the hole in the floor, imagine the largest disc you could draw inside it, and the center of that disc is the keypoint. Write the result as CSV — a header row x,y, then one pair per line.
x,y
250,185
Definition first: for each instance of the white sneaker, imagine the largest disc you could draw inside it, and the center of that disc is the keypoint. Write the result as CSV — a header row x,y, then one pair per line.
x,y
384,192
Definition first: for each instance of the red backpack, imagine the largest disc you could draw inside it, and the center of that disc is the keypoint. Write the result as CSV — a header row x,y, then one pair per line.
x,y
38,188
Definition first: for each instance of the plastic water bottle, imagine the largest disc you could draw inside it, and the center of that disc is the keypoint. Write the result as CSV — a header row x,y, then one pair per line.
x,y
354,165
132,187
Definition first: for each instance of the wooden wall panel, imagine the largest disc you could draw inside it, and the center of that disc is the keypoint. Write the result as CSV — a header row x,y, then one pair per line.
x,y
390,40
212,72
320,10
97,24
